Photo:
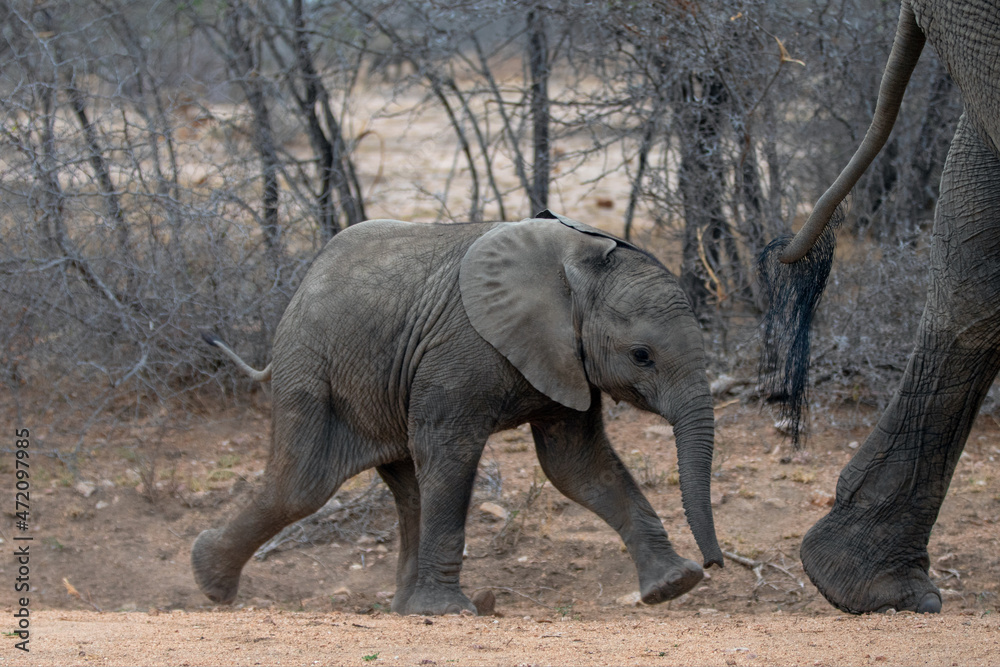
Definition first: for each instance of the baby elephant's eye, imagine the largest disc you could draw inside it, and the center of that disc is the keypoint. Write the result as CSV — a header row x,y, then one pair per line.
x,y
641,356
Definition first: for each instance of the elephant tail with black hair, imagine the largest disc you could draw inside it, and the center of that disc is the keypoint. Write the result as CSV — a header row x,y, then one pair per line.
x,y
792,292
251,372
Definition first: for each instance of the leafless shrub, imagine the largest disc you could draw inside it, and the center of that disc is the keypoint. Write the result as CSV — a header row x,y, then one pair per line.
x,y
510,533
168,167
867,325
489,480
643,467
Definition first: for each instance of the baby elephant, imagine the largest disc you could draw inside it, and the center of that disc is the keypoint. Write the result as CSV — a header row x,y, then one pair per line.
x,y
408,344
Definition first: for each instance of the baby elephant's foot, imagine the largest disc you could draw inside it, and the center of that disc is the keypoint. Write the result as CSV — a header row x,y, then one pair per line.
x,y
217,581
438,601
681,576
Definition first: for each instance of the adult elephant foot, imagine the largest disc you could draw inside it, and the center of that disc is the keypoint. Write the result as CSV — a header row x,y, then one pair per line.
x,y
849,557
677,578
869,554
438,601
216,580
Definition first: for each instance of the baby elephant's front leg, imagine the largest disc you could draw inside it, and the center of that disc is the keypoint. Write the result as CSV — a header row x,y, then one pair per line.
x,y
446,467
578,459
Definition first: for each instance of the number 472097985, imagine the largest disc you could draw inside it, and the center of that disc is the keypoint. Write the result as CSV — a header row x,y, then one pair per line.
x,y
21,468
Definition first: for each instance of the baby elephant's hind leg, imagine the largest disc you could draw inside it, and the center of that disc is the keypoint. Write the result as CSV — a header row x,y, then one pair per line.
x,y
300,477
401,478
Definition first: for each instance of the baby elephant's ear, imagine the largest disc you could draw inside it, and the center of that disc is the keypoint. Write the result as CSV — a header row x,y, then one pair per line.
x,y
515,292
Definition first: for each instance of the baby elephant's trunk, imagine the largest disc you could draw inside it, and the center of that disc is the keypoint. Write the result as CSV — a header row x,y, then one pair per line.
x,y
694,431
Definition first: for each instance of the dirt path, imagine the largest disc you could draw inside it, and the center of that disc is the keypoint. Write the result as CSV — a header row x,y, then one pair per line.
x,y
563,583
273,637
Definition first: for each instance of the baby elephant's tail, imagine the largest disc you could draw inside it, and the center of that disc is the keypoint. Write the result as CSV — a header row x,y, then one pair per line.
x,y
253,373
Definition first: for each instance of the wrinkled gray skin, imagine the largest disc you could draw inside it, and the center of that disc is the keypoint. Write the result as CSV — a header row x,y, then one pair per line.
x,y
870,552
407,345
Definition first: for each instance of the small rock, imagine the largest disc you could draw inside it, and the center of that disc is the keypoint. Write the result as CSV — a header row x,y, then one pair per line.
x,y
630,600
853,444
707,611
485,602
385,595
85,489
722,384
102,504
495,510
784,426
659,430
820,498
801,457
343,590
194,499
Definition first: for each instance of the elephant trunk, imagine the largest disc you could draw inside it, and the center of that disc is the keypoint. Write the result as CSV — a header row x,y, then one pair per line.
x,y
906,48
694,432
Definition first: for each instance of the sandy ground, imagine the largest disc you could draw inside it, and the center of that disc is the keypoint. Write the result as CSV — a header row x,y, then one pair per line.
x,y
111,581
264,637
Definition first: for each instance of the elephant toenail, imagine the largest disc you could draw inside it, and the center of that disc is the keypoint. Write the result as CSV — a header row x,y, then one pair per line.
x,y
929,604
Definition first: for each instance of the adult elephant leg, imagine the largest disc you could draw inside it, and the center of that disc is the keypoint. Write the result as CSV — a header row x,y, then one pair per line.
x,y
870,552
401,478
579,461
306,466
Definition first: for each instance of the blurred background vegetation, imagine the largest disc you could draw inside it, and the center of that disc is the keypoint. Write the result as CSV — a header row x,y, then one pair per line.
x,y
168,166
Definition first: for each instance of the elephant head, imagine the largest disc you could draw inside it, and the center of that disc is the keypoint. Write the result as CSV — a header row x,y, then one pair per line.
x,y
572,307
